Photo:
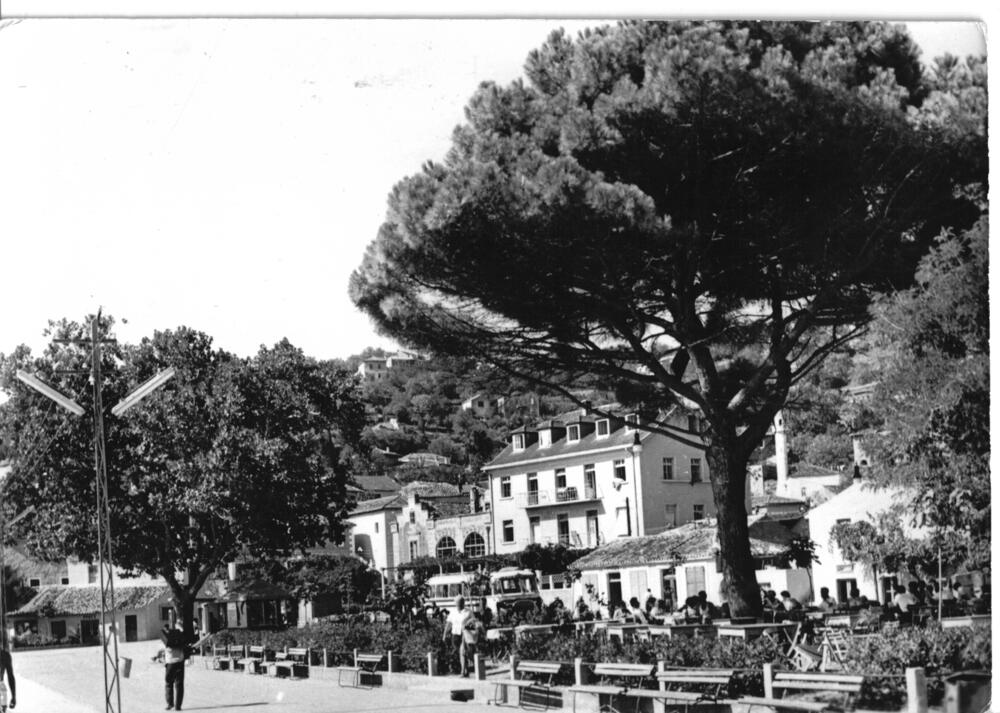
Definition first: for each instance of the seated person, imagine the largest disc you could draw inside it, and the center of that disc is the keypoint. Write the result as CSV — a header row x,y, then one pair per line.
x,y
789,602
856,601
708,609
691,611
826,602
636,612
771,601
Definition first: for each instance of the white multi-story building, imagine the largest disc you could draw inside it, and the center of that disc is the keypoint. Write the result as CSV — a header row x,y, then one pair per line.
x,y
583,480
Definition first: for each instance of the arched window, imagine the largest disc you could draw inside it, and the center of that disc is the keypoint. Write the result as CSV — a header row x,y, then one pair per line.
x,y
475,545
446,547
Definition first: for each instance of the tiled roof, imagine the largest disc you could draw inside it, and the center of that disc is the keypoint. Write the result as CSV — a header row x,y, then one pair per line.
x,y
86,599
693,541
29,567
376,482
426,488
622,438
389,502
449,506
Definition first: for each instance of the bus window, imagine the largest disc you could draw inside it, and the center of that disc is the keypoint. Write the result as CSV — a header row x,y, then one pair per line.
x,y
528,584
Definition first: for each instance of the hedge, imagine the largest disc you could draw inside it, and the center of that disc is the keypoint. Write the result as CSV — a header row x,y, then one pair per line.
x,y
883,658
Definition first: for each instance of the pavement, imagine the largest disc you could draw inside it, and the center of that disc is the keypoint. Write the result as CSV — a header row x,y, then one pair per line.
x,y
72,681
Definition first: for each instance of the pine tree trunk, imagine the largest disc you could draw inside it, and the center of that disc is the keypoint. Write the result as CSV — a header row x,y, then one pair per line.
x,y
729,488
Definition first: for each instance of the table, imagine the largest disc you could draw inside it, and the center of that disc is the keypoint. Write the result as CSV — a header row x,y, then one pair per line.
x,y
973,620
750,632
672,630
623,630
528,629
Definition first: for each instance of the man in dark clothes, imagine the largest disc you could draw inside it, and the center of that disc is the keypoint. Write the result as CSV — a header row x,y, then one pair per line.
x,y
7,670
173,657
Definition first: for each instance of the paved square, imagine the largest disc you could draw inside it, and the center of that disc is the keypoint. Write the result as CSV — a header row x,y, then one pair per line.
x,y
71,681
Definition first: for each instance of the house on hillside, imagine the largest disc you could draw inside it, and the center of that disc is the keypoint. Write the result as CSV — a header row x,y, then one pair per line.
x,y
73,613
679,563
482,405
583,480
373,369
424,459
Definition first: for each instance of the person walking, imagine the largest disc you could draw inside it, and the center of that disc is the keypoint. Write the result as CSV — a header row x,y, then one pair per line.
x,y
471,634
455,625
173,658
7,672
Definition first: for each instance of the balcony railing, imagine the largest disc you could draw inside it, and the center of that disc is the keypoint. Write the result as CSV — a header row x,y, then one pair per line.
x,y
562,496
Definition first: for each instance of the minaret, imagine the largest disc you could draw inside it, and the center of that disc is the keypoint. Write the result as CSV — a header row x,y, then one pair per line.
x,y
781,453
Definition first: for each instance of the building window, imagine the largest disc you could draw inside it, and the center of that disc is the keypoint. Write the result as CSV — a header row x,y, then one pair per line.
x,y
532,488
562,528
505,486
620,468
589,481
482,404
560,478
632,420
573,433
698,512
414,549
695,577
508,531
446,547
668,468
34,582
692,424
671,512
376,528
474,545
603,428
91,573
413,518
64,580
165,613
518,441
696,470
544,438
534,523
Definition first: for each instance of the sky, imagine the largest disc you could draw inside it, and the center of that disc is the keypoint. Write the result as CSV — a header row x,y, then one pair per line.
x,y
227,175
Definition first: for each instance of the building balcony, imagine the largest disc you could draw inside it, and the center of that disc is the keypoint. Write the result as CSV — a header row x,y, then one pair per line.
x,y
554,498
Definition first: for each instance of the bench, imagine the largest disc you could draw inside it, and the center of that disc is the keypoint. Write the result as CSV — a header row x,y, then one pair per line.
x,y
535,675
363,663
294,661
615,680
236,656
676,685
253,662
820,682
220,658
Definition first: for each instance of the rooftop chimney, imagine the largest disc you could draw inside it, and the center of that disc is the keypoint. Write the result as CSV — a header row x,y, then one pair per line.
x,y
781,453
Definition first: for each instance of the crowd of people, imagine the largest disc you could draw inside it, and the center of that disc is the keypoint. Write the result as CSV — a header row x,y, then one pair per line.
x,y
695,610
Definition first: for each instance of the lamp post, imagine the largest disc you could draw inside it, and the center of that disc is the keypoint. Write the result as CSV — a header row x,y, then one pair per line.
x,y
112,690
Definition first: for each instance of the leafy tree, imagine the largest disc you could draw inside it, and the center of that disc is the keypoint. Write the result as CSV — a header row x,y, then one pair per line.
x,y
929,353
232,456
693,212
317,574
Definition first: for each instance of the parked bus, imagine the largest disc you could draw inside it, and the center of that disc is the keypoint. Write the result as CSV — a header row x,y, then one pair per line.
x,y
508,590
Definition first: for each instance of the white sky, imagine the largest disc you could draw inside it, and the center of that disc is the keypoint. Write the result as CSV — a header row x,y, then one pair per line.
x,y
228,175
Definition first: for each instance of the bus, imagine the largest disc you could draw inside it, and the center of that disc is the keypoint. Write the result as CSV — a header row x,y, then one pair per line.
x,y
508,590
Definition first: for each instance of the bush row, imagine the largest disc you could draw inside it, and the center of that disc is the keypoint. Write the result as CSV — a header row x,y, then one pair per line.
x,y
883,658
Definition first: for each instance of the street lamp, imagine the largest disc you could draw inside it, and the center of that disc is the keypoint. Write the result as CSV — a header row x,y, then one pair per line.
x,y
112,690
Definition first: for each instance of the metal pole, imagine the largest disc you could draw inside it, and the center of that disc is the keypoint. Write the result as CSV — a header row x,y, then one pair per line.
x,y
112,690
940,586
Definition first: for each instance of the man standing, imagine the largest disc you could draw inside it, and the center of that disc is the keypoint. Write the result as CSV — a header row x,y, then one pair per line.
x,y
455,625
7,670
173,658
